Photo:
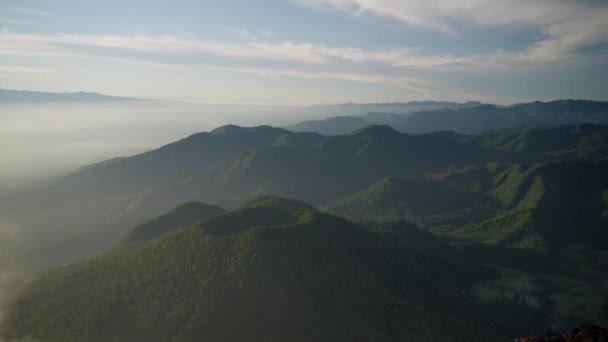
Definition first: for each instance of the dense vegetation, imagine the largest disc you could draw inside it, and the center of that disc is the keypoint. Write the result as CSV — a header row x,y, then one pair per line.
x,y
527,206
500,234
272,270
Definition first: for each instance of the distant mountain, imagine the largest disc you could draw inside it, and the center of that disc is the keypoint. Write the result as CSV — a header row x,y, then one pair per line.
x,y
470,118
272,270
358,109
332,126
486,118
24,96
368,114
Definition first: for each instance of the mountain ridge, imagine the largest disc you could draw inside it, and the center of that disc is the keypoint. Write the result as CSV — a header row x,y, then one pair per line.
x,y
27,96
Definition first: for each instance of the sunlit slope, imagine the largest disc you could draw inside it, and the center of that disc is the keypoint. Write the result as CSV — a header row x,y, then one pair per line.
x,y
548,205
528,206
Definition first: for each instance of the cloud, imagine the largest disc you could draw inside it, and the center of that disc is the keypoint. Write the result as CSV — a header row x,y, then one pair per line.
x,y
29,11
23,69
175,50
566,25
18,22
418,85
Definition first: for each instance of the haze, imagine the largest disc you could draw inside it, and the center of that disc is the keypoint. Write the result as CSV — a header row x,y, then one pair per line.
x,y
38,140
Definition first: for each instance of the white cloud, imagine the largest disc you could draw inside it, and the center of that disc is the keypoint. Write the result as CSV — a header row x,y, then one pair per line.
x,y
567,25
412,83
21,69
174,51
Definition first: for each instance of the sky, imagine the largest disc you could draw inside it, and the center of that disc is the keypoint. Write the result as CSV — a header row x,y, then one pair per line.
x,y
300,52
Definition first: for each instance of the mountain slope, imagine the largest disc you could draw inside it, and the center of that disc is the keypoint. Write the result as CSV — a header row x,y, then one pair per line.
x,y
548,206
583,141
423,201
273,270
538,206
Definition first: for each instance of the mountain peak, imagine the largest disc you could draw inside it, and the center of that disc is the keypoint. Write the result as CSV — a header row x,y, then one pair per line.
x,y
183,215
234,129
266,211
375,130
274,201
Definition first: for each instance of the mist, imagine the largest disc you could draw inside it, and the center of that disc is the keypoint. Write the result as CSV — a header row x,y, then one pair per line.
x,y
46,139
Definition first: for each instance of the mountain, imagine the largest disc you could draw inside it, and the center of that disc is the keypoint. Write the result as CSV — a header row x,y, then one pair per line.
x,y
359,109
537,206
548,206
369,114
331,126
183,215
227,167
232,164
427,202
469,118
488,117
582,141
24,96
272,270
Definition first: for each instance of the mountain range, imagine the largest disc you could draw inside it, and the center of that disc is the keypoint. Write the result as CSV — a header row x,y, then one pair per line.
x,y
26,96
233,164
468,118
405,237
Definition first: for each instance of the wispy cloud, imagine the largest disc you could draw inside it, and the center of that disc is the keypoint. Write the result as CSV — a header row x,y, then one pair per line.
x,y
28,11
254,55
566,25
24,69
18,22
171,49
418,85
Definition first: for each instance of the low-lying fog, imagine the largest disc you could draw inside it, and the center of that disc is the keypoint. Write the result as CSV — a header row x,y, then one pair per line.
x,y
38,140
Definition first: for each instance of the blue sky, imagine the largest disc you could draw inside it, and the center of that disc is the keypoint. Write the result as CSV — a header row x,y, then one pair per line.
x,y
309,51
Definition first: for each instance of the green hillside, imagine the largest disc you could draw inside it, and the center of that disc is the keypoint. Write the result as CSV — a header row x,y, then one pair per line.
x,y
273,270
584,141
538,206
548,205
427,202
